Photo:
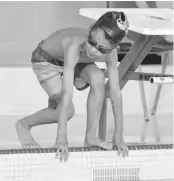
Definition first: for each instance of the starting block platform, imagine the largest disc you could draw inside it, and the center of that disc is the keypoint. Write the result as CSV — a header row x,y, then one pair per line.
x,y
148,28
145,163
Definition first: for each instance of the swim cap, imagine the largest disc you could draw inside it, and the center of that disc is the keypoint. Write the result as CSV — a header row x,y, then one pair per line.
x,y
114,24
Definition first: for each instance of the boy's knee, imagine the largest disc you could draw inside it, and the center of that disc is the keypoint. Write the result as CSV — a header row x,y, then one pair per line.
x,y
54,101
98,80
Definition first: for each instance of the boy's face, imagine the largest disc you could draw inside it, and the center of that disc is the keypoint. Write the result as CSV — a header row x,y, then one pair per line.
x,y
97,44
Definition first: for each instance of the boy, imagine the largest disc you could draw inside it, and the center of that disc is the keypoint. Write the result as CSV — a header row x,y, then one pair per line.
x,y
66,58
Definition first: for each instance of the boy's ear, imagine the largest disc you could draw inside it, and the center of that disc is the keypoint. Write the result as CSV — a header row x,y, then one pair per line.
x,y
123,18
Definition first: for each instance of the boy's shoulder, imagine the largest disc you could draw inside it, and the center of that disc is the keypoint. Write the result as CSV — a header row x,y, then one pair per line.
x,y
73,39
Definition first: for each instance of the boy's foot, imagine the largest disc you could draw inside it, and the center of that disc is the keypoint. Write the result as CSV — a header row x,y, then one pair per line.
x,y
24,136
94,141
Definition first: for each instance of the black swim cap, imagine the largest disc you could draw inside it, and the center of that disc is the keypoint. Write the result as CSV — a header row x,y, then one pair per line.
x,y
114,24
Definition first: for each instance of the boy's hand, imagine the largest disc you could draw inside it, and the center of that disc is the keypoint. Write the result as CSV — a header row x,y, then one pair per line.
x,y
62,148
121,146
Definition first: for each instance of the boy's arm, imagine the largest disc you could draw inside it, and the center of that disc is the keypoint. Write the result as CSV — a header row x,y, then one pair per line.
x,y
116,100
71,57
67,92
115,92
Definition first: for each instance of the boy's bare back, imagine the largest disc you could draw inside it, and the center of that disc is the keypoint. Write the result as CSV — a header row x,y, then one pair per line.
x,y
55,42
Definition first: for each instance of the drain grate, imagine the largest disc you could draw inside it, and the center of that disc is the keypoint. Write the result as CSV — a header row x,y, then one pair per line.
x,y
116,174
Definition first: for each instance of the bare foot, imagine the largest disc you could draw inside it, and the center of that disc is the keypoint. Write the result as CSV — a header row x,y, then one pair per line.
x,y
24,136
92,140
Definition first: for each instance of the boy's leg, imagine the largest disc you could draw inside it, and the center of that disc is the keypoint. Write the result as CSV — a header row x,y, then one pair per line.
x,y
49,115
45,116
96,79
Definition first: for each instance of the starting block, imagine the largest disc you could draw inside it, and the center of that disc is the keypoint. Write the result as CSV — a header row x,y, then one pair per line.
x,y
148,26
145,163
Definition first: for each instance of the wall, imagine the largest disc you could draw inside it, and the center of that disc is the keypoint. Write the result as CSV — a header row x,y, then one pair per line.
x,y
21,93
23,25
132,4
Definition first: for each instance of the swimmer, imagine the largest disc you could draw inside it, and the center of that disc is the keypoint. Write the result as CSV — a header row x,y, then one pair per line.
x,y
67,58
